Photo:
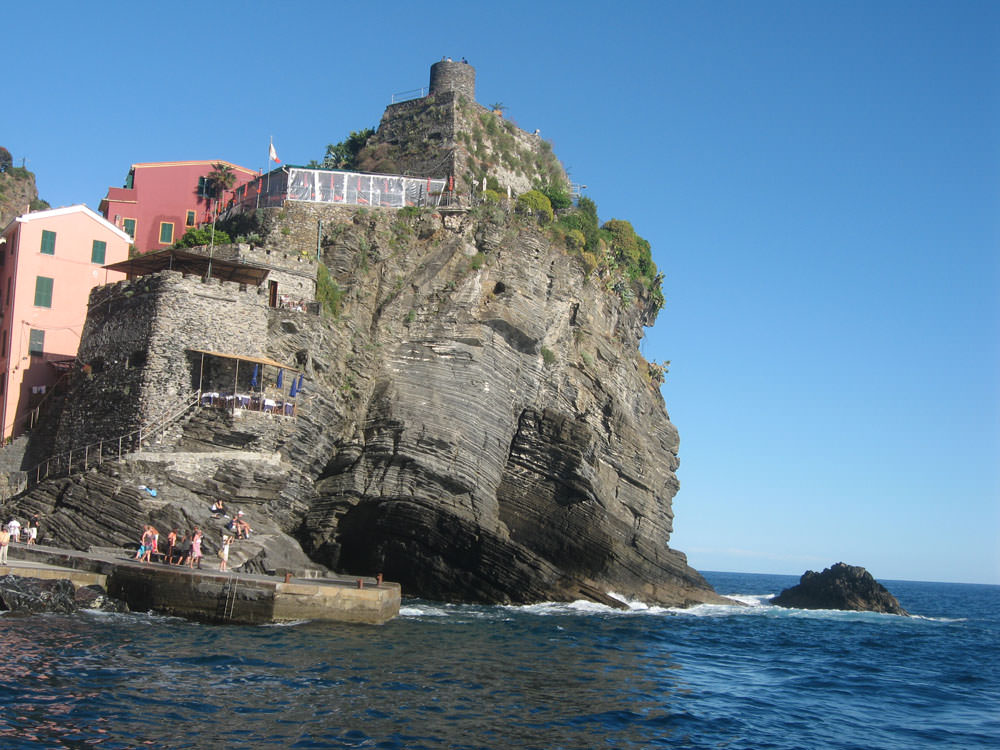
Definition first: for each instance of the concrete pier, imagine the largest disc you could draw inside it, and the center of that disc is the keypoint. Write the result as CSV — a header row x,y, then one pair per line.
x,y
211,595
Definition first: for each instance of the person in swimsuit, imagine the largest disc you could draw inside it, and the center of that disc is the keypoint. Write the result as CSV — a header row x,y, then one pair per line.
x,y
195,548
224,552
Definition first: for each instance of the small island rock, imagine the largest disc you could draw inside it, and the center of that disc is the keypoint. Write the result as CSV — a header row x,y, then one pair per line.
x,y
841,586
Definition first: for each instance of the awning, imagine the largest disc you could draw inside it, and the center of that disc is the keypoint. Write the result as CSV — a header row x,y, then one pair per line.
x,y
245,358
190,262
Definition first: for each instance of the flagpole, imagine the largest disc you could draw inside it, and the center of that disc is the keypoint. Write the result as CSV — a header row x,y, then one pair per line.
x,y
270,148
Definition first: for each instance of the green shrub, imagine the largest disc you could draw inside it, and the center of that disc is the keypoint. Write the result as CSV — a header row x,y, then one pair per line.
x,y
491,196
548,356
535,203
328,293
558,195
202,236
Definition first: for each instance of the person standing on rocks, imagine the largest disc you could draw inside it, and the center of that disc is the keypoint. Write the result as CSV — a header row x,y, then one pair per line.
x,y
224,552
148,543
171,546
141,552
195,548
4,544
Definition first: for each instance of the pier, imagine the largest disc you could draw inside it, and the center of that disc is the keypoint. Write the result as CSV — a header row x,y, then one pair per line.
x,y
210,595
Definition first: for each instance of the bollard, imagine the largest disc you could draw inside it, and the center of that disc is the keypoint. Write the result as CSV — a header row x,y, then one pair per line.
x,y
379,579
288,577
361,583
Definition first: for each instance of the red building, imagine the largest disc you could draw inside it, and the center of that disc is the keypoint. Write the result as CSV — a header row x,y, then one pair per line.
x,y
162,200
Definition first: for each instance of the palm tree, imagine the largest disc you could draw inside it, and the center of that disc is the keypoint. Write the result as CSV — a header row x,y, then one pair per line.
x,y
220,179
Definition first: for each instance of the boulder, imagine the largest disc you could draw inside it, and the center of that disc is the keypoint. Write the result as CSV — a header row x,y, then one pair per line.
x,y
35,595
841,586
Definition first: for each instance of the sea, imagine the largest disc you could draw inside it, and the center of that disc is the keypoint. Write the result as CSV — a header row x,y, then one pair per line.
x,y
545,676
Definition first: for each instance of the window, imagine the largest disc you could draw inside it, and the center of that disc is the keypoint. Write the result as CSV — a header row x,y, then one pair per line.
x,y
36,342
189,221
97,252
3,343
43,291
129,226
166,232
48,242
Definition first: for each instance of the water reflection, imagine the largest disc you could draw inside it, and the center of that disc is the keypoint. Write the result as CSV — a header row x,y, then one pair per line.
x,y
497,680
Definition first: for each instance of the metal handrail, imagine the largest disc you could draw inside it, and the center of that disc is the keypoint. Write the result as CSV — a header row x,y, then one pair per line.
x,y
94,454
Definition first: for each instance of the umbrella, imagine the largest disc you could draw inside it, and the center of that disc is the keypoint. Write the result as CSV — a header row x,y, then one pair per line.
x,y
253,378
281,376
298,388
292,392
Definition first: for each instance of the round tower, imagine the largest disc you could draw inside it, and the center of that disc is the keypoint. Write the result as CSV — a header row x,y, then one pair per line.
x,y
449,75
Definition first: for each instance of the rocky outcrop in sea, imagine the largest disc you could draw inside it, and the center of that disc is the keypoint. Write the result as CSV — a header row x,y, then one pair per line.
x,y
841,586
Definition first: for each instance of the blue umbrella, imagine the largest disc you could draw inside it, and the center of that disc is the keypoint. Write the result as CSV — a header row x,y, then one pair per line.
x,y
253,378
281,376
298,388
292,392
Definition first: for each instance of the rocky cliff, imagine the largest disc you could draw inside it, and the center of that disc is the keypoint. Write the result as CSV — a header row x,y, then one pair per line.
x,y
477,425
18,193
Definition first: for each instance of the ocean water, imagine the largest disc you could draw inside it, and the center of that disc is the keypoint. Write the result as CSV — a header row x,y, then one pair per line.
x,y
545,676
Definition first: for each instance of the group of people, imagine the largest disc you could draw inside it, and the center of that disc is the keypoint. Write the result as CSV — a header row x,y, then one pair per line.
x,y
11,531
180,549
13,527
185,549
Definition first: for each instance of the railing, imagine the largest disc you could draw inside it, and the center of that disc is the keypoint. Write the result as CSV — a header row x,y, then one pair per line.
x,y
405,96
95,454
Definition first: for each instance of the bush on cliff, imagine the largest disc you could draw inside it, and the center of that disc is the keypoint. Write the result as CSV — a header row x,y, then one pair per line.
x,y
344,155
535,203
328,293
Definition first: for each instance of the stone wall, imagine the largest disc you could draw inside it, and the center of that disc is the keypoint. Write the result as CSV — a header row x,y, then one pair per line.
x,y
449,134
136,342
459,77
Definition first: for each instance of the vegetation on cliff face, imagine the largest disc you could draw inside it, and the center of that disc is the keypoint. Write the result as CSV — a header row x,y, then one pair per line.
x,y
18,192
344,155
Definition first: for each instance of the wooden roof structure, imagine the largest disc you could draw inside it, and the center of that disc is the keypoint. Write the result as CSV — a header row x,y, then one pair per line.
x,y
190,262
244,358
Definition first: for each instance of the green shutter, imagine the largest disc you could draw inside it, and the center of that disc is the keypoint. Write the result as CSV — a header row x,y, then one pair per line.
x,y
129,226
48,242
98,251
36,341
43,291
166,232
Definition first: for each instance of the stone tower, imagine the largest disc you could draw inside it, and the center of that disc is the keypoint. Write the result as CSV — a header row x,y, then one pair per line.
x,y
459,77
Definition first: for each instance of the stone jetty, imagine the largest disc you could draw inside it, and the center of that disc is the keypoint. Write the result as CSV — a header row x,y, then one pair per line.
x,y
210,595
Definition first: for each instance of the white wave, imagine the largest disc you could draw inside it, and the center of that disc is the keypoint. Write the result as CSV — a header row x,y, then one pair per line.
x,y
289,624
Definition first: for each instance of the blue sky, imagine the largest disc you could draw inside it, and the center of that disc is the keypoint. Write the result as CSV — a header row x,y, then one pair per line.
x,y
819,182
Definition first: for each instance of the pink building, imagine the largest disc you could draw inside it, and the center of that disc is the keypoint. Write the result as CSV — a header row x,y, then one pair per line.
x,y
49,262
162,200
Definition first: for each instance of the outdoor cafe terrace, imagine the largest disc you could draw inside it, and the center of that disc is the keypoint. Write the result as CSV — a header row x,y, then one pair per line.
x,y
339,187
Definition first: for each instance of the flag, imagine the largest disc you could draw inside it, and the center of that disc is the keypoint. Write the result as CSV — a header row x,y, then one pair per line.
x,y
273,155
